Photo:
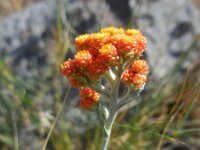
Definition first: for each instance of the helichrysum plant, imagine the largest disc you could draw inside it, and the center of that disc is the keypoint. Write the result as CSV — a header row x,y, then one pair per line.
x,y
104,61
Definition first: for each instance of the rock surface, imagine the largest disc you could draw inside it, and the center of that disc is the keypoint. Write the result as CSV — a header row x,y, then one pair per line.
x,y
170,27
169,30
20,30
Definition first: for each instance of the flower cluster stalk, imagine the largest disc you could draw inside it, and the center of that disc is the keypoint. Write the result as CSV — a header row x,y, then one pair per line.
x,y
108,128
108,123
104,61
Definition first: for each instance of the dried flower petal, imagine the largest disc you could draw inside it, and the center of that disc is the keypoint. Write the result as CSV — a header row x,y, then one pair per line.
x,y
96,69
112,30
108,54
87,104
78,82
127,42
98,52
89,93
82,60
140,66
89,98
137,75
68,68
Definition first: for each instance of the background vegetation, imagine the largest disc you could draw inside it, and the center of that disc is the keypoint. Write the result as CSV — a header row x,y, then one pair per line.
x,y
41,111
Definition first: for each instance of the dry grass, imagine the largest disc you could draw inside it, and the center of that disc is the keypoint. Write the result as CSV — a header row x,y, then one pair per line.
x,y
8,7
196,2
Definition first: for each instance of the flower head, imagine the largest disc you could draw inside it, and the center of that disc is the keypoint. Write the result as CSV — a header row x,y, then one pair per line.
x,y
82,60
89,98
96,69
136,81
136,76
112,30
76,70
108,54
128,43
68,68
91,42
140,66
103,53
78,81
102,61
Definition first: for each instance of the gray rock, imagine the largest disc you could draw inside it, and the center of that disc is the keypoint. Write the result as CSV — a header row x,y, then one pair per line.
x,y
170,27
19,30
169,30
91,15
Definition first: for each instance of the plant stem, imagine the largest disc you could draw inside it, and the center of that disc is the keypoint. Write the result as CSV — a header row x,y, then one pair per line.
x,y
107,131
108,123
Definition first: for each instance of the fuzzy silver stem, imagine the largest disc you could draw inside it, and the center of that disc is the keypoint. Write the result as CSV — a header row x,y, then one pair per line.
x,y
113,109
107,131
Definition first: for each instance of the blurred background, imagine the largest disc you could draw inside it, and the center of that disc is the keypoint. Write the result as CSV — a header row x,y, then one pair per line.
x,y
39,109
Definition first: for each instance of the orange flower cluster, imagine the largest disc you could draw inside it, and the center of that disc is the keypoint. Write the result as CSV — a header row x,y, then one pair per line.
x,y
98,52
89,98
76,70
128,43
136,75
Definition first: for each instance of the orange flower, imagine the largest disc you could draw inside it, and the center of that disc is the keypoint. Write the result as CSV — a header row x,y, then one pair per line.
x,y
87,104
128,43
76,77
101,51
78,82
128,73
112,30
137,75
108,54
82,60
129,46
91,42
68,68
96,69
132,32
138,81
76,70
140,66
89,98
132,79
89,93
